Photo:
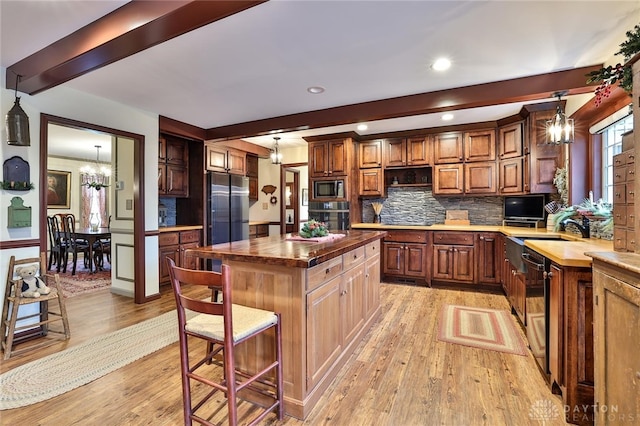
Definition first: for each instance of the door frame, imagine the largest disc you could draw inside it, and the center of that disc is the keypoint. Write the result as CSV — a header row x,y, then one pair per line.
x,y
284,168
139,289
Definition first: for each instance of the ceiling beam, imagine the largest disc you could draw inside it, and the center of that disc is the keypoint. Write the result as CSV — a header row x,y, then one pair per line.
x,y
130,29
523,89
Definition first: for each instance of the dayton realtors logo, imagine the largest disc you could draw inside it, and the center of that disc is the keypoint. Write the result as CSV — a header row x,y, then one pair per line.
x,y
544,410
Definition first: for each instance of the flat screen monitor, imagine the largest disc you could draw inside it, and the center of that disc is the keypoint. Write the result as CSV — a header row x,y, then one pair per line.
x,y
524,207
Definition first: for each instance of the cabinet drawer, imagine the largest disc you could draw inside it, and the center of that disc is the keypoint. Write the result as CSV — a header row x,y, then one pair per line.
x,y
619,174
630,156
372,249
168,238
407,236
190,236
353,258
457,238
631,191
323,272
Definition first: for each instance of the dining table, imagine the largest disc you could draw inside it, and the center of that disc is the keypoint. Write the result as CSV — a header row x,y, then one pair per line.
x,y
92,236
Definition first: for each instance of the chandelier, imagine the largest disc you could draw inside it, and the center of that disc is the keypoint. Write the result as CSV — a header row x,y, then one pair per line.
x,y
96,175
560,129
276,155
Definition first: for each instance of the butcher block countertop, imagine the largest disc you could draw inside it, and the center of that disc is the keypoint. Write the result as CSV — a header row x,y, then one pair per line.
x,y
277,250
570,251
178,228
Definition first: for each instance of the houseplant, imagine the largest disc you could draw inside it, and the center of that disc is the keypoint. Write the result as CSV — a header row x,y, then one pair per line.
x,y
313,228
598,213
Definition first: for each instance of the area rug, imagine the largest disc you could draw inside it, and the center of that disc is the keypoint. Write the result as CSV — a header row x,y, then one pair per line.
x,y
482,328
61,372
83,282
536,333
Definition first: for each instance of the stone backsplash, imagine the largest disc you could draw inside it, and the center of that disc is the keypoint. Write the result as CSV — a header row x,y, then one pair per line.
x,y
418,206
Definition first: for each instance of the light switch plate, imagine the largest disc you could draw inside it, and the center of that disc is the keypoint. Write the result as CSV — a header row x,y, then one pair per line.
x,y
265,206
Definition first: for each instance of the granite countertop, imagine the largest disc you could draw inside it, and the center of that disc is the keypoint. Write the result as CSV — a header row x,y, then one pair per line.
x,y
178,228
277,250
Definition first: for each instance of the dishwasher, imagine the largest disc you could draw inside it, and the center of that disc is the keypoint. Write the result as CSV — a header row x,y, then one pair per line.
x,y
537,305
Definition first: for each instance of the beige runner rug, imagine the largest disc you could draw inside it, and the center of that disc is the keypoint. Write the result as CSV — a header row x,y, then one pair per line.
x,y
482,328
61,372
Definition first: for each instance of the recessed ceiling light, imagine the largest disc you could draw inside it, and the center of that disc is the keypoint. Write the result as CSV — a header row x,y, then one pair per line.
x,y
447,117
362,127
441,64
315,89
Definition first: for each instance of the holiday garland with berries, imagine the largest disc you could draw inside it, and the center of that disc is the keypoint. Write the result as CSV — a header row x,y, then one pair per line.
x,y
620,73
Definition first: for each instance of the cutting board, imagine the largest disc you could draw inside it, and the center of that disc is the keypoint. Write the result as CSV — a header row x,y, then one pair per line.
x,y
456,217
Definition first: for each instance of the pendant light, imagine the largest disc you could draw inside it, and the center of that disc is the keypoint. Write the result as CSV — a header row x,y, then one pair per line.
x,y
17,123
276,155
96,175
560,129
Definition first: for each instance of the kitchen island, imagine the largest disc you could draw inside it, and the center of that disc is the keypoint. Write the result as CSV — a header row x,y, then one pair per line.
x,y
328,294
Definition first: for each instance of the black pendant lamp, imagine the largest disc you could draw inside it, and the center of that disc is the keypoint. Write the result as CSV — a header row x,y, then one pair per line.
x,y
560,129
17,123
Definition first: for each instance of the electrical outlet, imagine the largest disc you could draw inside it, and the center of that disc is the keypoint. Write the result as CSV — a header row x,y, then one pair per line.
x,y
265,206
129,205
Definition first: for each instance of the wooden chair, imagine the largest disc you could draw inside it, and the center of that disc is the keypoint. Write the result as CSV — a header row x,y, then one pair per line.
x,y
224,325
55,249
71,244
34,320
102,248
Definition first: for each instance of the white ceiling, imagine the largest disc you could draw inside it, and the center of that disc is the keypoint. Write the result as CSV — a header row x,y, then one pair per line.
x,y
259,63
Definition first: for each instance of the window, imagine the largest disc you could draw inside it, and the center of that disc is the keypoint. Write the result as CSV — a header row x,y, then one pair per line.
x,y
612,145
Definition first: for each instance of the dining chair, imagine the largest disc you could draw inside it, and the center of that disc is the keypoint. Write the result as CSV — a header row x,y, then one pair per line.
x,y
55,249
71,244
224,325
102,248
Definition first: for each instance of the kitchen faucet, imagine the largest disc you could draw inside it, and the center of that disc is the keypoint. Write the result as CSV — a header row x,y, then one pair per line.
x,y
584,227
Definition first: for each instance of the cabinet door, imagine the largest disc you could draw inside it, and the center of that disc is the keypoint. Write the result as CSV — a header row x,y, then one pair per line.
x,y
447,179
236,162
162,179
177,181
371,182
480,178
463,265
490,262
544,158
318,159
556,326
418,151
393,258
324,340
177,152
253,188
372,285
252,166
518,289
370,154
480,145
352,303
216,159
188,262
510,141
442,262
172,252
162,149
511,173
338,155
447,148
415,259
395,152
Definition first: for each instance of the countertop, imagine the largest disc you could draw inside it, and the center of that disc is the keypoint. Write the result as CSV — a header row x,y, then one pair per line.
x,y
277,250
178,228
258,222
627,261
568,252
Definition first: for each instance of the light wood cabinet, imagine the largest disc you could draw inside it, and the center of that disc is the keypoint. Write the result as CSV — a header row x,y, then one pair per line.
x,y
616,337
624,201
511,172
352,302
406,254
447,148
257,231
173,245
414,151
453,257
468,178
448,179
370,154
371,183
173,167
544,158
480,145
225,160
372,278
329,158
510,141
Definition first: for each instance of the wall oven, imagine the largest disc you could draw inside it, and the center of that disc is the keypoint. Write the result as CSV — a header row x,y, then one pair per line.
x,y
328,189
537,305
335,214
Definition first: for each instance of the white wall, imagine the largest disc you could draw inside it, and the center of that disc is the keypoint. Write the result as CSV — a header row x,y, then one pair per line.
x,y
68,103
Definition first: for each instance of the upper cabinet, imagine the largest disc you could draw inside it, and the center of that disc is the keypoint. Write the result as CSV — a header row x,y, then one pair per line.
x,y
225,160
480,145
413,151
370,154
447,148
252,174
329,158
544,158
510,141
173,167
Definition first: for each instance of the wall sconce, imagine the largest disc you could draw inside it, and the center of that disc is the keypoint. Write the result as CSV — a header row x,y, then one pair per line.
x,y
560,129
17,123
276,155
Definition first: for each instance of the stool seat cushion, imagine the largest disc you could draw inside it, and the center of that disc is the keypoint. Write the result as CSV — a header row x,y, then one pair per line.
x,y
246,321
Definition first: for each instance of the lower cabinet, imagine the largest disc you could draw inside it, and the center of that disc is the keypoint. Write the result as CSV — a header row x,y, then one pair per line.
x,y
173,245
616,337
453,257
406,254
514,285
488,246
257,231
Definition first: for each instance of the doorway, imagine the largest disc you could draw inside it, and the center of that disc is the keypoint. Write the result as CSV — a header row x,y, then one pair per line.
x,y
293,184
137,182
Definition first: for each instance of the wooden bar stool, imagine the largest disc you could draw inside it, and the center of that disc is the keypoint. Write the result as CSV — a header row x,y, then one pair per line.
x,y
224,326
37,324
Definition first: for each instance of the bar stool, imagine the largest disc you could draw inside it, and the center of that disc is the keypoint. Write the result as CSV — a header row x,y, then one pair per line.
x,y
224,326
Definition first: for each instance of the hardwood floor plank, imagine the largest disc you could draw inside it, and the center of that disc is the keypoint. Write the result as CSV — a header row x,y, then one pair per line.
x,y
401,374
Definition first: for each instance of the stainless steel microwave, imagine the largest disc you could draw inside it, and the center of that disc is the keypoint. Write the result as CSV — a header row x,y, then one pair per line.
x,y
333,188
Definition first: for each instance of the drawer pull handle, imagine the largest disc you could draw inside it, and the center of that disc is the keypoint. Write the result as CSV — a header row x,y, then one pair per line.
x,y
327,271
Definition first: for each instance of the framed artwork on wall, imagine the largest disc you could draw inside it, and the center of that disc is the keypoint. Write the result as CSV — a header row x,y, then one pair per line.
x,y
58,189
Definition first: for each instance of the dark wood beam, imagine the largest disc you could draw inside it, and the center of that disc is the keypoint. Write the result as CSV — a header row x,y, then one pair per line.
x,y
130,29
507,91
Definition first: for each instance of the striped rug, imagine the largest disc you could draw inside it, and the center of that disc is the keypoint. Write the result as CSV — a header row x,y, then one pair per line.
x,y
482,328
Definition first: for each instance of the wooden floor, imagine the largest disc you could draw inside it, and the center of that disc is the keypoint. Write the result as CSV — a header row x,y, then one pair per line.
x,y
399,375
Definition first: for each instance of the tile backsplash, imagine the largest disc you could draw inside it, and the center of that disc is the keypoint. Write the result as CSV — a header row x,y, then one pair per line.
x,y
418,206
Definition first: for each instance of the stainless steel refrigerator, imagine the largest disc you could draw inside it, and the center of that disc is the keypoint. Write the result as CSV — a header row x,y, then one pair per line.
x,y
228,209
